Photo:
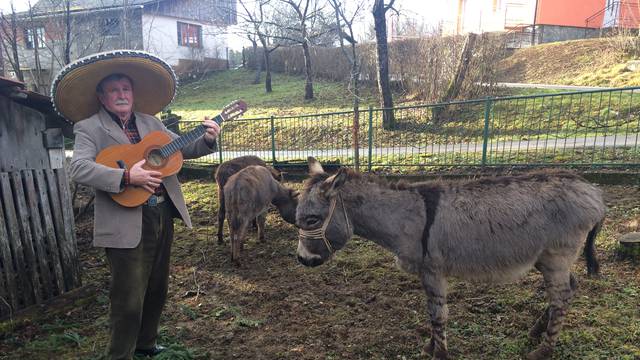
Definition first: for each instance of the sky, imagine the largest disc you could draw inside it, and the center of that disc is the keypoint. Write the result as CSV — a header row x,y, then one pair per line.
x,y
427,10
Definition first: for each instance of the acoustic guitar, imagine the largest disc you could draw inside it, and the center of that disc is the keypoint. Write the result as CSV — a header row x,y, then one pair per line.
x,y
161,152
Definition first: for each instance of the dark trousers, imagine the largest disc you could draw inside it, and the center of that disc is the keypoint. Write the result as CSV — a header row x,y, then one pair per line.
x,y
139,282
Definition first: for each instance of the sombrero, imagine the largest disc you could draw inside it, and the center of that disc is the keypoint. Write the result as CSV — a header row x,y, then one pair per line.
x,y
73,91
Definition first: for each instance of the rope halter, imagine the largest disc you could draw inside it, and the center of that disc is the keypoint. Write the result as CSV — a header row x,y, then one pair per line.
x,y
320,233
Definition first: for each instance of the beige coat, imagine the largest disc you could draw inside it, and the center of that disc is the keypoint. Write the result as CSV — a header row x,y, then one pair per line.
x,y
116,226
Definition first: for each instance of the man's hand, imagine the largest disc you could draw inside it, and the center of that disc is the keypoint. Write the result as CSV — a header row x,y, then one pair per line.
x,y
148,179
213,130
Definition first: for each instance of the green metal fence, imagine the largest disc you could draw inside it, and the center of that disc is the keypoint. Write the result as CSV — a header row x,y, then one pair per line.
x,y
587,128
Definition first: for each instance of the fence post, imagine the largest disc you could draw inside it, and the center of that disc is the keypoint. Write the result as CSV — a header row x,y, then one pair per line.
x,y
370,138
273,142
220,146
485,133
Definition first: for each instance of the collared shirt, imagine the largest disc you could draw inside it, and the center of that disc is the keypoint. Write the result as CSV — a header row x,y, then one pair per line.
x,y
129,127
131,130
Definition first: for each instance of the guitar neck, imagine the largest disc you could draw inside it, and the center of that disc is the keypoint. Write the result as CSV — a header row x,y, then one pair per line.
x,y
187,138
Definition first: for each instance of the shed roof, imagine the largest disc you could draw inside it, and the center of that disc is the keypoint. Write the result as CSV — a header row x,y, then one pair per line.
x,y
15,90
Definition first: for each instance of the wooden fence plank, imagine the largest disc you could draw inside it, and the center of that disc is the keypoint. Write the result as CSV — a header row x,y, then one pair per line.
x,y
29,262
49,230
66,257
15,239
8,287
36,250
71,246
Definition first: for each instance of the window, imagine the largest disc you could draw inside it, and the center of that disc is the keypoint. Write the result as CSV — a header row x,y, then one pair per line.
x,y
111,27
189,35
34,37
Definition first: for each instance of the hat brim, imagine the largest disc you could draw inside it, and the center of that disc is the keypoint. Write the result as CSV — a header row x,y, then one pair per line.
x,y
74,90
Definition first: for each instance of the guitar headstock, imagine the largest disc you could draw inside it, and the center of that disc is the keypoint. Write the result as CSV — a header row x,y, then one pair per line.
x,y
233,110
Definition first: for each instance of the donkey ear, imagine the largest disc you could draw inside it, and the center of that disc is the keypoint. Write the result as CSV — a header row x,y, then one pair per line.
x,y
333,183
275,173
314,166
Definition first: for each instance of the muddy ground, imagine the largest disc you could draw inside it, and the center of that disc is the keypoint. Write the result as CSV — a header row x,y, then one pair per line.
x,y
357,306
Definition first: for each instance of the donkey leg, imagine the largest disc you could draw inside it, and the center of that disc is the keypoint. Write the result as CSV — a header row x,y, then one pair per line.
x,y
560,287
221,213
261,219
435,286
237,237
541,323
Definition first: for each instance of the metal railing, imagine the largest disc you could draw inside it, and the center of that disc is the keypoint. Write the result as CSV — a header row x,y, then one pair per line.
x,y
596,128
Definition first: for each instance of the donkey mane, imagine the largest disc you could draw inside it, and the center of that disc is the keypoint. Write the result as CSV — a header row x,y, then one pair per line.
x,y
353,175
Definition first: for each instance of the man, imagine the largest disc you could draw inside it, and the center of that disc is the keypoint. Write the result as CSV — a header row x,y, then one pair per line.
x,y
109,96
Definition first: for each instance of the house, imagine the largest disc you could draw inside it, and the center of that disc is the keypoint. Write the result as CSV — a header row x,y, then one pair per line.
x,y
542,21
189,34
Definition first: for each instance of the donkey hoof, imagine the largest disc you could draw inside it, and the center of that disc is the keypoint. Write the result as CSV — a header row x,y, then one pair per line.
x,y
440,354
536,332
427,350
543,352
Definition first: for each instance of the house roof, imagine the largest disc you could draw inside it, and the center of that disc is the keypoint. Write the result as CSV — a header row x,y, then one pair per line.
x,y
44,6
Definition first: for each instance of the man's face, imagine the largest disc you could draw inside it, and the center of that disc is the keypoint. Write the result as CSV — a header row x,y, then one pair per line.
x,y
117,96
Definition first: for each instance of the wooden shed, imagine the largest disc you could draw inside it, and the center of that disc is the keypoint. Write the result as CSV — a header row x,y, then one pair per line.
x,y
38,250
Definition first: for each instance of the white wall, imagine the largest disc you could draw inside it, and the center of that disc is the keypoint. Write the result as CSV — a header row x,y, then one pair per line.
x,y
160,36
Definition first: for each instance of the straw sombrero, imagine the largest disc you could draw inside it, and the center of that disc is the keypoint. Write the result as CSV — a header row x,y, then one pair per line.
x,y
73,92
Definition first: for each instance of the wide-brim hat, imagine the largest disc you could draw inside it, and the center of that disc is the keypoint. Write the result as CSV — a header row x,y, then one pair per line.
x,y
73,91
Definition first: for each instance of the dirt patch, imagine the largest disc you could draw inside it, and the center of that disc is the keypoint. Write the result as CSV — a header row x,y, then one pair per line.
x,y
357,306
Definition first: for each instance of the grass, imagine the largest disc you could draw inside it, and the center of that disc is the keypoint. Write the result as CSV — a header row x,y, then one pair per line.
x,y
553,118
209,95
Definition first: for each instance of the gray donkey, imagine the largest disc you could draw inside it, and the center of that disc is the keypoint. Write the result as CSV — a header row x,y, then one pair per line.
x,y
222,175
248,194
493,230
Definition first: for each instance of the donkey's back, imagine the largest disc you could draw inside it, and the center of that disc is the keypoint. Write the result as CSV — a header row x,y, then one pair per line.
x,y
496,229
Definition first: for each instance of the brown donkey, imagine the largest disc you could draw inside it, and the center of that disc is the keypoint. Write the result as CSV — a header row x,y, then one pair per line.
x,y
492,230
223,173
249,193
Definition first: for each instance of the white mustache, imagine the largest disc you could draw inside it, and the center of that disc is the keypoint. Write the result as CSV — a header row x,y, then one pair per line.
x,y
122,102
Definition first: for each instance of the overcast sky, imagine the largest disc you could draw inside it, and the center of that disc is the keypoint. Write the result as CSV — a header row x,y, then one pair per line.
x,y
429,10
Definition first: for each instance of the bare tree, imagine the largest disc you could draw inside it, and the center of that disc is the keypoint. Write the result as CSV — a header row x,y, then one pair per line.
x,y
33,28
301,25
9,41
344,28
382,52
455,85
256,19
254,47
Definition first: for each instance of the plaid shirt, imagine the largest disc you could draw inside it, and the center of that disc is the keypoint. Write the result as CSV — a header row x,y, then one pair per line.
x,y
131,130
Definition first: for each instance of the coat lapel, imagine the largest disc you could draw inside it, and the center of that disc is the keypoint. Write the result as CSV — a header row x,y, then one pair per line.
x,y
112,128
142,125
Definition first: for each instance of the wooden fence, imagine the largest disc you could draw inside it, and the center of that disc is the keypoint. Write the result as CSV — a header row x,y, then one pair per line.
x,y
38,250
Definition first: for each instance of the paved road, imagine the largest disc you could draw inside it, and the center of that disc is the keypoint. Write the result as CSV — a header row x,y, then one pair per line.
x,y
550,86
630,140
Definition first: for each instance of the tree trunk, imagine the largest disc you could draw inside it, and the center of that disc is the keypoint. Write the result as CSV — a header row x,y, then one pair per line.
x,y
382,59
267,65
355,75
67,44
14,47
308,87
439,113
256,79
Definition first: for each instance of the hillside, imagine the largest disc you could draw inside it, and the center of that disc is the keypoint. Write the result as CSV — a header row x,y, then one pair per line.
x,y
592,62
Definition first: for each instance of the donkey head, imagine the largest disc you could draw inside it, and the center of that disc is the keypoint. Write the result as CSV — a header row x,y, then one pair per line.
x,y
321,216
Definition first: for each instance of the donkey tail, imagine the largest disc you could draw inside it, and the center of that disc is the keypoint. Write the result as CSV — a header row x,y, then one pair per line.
x,y
593,267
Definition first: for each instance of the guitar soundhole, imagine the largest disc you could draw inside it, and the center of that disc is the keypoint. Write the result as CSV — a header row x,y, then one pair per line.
x,y
154,158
